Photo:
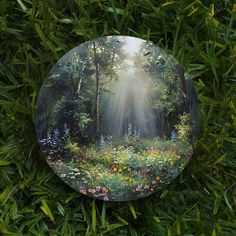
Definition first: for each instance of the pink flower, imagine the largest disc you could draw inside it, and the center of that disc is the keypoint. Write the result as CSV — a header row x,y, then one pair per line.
x,y
138,188
82,190
146,186
104,189
154,181
93,191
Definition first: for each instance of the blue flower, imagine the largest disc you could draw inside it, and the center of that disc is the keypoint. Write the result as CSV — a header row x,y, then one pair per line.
x,y
101,141
173,135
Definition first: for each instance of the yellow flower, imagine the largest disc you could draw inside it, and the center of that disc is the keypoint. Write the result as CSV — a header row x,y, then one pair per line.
x,y
120,170
129,169
115,169
158,178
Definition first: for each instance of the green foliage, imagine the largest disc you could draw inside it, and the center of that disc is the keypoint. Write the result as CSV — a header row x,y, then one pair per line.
x,y
72,147
35,34
184,127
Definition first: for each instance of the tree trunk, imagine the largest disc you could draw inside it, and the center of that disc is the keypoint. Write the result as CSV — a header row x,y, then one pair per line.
x,y
81,79
79,85
97,90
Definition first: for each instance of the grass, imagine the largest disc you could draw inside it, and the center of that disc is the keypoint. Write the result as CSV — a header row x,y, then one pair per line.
x,y
35,34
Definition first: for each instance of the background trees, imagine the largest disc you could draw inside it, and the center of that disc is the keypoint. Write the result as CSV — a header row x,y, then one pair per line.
x,y
62,101
173,94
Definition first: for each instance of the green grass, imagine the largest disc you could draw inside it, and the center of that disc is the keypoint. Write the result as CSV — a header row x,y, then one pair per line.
x,y
35,34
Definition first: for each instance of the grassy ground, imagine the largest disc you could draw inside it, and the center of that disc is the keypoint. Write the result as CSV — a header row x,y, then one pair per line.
x,y
35,34
122,172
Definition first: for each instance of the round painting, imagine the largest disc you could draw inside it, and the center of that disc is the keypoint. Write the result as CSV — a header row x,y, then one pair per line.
x,y
117,118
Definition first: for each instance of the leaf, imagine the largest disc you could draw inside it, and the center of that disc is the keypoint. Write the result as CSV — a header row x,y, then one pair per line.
x,y
44,207
4,163
157,219
118,11
94,218
125,222
24,8
131,207
60,209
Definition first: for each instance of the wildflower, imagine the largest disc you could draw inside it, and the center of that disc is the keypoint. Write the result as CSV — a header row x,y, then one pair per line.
x,y
63,175
98,188
129,169
146,186
173,135
129,131
93,191
120,170
56,135
115,169
171,162
82,190
72,177
158,178
101,142
104,189
154,181
66,130
138,188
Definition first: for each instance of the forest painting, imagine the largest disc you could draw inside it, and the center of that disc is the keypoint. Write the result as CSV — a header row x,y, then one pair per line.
x,y
117,118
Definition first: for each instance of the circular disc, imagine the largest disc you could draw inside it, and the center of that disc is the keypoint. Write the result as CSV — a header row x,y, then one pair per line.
x,y
117,118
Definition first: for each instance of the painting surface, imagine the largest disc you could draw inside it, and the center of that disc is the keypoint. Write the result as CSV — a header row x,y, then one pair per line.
x,y
117,118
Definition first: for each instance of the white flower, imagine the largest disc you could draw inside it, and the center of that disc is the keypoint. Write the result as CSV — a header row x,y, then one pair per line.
x,y
63,175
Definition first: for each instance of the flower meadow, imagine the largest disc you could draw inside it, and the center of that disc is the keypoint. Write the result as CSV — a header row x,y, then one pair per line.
x,y
131,168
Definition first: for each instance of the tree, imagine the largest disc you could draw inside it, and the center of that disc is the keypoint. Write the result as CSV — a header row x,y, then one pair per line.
x,y
170,96
107,54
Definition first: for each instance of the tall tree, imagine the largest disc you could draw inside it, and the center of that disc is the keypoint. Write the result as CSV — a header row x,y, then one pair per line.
x,y
96,63
107,54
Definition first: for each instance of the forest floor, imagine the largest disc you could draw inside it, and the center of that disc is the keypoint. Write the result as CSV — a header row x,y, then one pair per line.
x,y
127,171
